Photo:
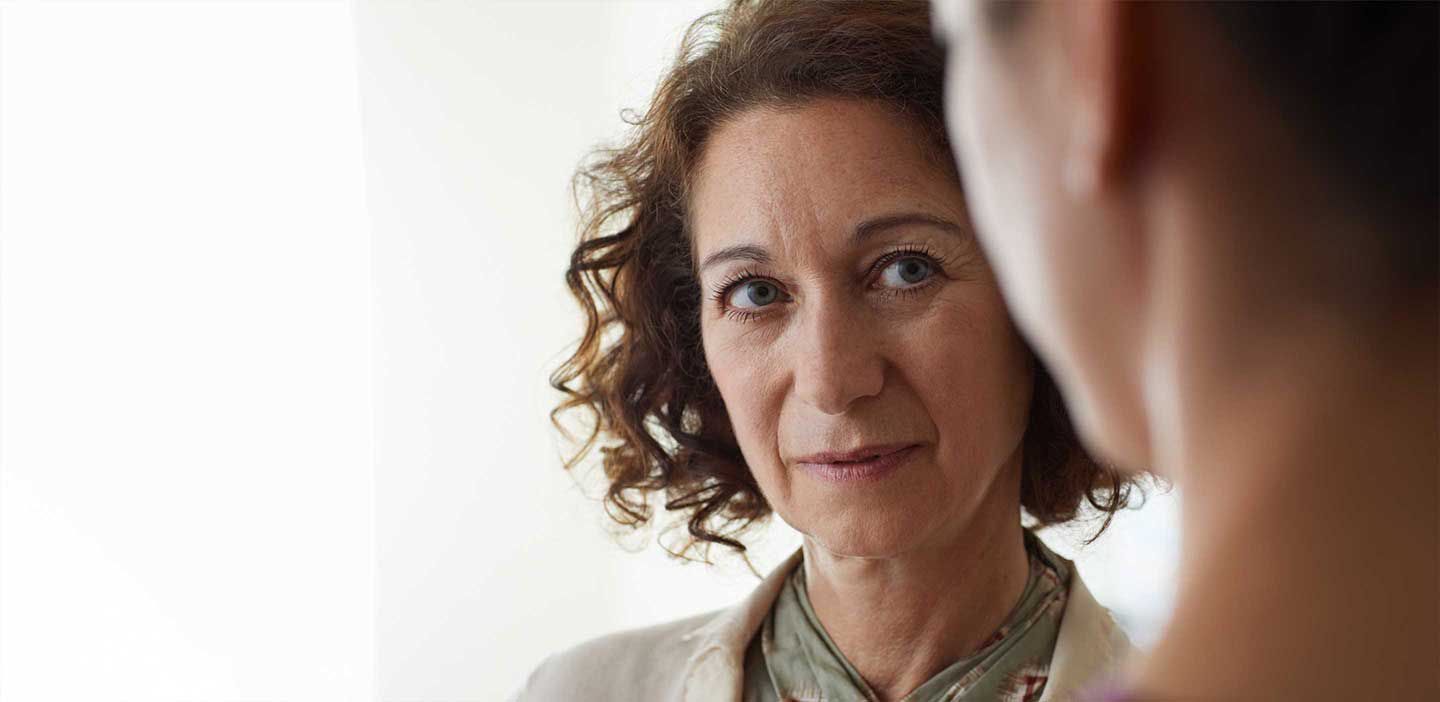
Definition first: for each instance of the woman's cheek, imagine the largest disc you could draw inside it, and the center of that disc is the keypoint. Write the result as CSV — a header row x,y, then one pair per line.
x,y
746,376
977,373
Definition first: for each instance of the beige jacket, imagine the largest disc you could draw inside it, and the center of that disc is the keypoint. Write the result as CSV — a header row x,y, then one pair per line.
x,y
701,658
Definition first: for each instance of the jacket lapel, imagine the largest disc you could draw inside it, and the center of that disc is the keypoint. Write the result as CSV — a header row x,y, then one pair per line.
x,y
1090,644
716,671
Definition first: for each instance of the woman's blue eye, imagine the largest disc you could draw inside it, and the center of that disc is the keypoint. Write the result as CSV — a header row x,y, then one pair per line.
x,y
753,294
906,272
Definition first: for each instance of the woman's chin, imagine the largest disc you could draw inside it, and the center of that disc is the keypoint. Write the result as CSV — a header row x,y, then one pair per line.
x,y
868,538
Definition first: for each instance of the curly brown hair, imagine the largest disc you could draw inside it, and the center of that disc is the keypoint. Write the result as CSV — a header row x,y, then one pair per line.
x,y
639,370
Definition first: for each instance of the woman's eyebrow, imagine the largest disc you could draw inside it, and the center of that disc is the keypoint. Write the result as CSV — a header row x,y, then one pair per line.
x,y
739,252
876,225
863,231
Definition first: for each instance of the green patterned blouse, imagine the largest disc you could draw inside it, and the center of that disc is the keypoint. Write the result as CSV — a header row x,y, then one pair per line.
x,y
793,658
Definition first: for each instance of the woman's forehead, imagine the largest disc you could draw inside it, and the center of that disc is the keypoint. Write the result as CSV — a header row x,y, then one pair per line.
x,y
846,139
813,173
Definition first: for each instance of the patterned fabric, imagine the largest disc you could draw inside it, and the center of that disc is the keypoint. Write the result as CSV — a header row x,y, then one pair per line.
x,y
792,657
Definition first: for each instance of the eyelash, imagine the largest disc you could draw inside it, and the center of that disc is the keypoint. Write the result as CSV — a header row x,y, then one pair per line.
x,y
721,291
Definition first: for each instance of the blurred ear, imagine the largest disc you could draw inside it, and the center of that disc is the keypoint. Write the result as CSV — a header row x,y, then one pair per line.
x,y
1104,43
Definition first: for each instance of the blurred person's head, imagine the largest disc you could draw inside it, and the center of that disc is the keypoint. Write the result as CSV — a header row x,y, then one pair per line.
x,y
1178,184
778,264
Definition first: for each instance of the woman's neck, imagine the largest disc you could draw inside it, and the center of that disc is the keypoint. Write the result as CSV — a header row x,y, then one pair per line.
x,y
901,620
1309,461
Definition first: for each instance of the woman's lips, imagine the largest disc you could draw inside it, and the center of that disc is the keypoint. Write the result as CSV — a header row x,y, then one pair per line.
x,y
879,463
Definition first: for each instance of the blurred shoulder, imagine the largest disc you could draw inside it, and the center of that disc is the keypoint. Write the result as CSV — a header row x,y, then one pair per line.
x,y
633,665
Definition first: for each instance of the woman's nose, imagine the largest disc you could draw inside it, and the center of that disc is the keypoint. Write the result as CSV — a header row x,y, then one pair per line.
x,y
838,361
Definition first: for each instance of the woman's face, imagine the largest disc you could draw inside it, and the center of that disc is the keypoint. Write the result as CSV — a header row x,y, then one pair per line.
x,y
847,307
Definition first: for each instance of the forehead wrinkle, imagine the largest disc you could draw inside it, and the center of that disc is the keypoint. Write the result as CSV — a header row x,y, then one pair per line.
x,y
797,217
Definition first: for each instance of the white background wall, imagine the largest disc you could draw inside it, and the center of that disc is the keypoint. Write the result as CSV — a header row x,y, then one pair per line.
x,y
185,483
265,436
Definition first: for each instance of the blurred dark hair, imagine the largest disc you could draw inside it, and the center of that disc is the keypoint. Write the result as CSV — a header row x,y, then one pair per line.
x,y
639,370
1363,80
